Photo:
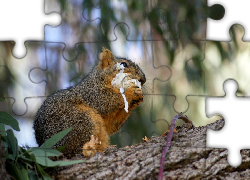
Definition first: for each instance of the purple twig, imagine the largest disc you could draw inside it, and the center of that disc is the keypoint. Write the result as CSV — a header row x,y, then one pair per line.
x,y
170,135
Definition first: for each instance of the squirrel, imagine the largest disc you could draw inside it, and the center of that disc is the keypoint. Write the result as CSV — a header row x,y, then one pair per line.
x,y
95,108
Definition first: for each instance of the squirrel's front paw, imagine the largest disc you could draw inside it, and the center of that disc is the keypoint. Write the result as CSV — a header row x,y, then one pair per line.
x,y
137,97
138,94
89,148
134,96
138,91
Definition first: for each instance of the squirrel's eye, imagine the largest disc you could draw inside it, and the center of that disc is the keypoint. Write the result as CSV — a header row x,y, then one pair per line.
x,y
124,64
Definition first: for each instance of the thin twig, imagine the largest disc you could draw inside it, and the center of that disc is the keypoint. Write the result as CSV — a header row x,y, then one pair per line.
x,y
170,135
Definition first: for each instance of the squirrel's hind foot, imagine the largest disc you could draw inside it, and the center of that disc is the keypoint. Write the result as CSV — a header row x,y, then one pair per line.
x,y
89,148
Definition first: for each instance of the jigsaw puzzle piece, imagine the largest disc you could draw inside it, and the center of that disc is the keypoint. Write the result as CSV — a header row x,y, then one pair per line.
x,y
26,134
26,131
219,30
186,64
197,108
159,21
27,109
227,60
55,68
152,117
74,29
25,19
17,87
158,115
232,134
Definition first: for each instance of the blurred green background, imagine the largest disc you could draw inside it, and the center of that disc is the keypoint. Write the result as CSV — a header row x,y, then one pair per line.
x,y
166,39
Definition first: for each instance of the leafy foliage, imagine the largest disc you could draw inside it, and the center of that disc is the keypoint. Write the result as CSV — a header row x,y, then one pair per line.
x,y
24,164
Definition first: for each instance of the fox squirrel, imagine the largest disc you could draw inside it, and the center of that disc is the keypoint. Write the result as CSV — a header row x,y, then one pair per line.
x,y
95,108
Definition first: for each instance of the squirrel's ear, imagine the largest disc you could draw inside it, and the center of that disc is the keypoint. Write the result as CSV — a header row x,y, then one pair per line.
x,y
106,57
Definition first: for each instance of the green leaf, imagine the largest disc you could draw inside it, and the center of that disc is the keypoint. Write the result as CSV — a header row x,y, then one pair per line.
x,y
9,156
24,174
39,168
13,170
44,161
46,177
49,143
9,120
24,154
44,152
32,175
67,163
1,99
28,166
12,142
26,159
2,129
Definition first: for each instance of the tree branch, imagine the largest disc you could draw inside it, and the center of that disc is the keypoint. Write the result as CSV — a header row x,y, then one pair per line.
x,y
187,158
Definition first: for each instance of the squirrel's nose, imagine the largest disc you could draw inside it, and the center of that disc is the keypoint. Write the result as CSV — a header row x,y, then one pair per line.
x,y
143,79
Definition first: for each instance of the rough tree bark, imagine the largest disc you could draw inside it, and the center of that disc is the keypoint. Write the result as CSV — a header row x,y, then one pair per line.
x,y
3,174
187,158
